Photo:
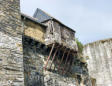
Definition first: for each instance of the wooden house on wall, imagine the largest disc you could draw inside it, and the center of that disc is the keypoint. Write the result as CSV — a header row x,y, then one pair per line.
x,y
56,31
49,33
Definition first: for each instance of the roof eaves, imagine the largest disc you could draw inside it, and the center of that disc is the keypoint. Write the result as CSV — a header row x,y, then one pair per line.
x,y
64,25
32,19
59,22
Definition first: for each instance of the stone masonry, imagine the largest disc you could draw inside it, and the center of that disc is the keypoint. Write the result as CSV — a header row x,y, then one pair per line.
x,y
100,61
34,57
11,54
23,55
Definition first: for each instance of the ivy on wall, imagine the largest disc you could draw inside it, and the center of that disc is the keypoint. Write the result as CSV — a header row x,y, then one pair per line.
x,y
80,45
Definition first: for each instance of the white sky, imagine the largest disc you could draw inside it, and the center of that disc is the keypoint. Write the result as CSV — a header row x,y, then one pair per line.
x,y
92,19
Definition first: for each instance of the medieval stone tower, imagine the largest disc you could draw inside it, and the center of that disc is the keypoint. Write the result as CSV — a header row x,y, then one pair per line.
x,y
11,54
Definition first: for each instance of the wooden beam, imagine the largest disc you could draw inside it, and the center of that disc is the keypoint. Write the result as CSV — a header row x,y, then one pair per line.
x,y
61,60
49,56
66,61
57,59
68,68
53,57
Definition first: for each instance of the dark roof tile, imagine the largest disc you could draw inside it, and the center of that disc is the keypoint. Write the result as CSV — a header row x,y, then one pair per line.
x,y
32,19
42,16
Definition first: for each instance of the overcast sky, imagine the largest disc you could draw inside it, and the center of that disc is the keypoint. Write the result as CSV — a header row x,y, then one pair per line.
x,y
92,19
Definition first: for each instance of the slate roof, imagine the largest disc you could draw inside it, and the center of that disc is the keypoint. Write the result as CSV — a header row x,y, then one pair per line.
x,y
32,19
42,16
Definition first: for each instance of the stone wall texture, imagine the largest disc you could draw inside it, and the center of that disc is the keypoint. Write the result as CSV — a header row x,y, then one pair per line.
x,y
100,61
22,58
35,55
11,54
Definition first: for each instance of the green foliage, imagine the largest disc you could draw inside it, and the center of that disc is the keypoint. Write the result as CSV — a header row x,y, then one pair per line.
x,y
80,45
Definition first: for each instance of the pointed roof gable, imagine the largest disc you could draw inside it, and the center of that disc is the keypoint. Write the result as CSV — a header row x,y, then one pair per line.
x,y
41,16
